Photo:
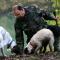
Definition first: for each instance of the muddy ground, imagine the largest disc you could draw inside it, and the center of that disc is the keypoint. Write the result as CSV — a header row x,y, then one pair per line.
x,y
45,56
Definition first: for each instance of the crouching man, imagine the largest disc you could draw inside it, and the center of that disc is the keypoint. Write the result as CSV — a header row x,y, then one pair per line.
x,y
40,40
6,40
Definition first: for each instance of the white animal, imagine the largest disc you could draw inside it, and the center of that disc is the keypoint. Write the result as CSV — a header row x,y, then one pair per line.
x,y
41,39
5,40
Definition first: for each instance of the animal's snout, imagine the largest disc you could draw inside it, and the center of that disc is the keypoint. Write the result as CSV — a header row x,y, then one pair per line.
x,y
32,51
27,52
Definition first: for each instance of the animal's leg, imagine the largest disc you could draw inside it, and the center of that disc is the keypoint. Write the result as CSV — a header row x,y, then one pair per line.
x,y
38,47
2,51
51,44
44,48
40,51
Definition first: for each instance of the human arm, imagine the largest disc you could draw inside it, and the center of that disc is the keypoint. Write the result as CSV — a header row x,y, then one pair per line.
x,y
49,16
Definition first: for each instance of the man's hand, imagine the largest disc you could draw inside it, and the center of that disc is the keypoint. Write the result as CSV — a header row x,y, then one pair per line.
x,y
57,18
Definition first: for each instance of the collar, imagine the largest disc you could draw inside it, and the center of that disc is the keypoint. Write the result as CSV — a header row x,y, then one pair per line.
x,y
33,45
9,45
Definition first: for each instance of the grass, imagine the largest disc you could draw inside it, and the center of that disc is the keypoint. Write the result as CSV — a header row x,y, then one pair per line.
x,y
8,23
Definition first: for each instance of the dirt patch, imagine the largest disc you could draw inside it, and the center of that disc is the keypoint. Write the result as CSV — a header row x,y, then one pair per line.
x,y
45,56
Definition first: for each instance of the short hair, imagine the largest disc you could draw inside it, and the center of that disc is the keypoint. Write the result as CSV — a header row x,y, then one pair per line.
x,y
19,7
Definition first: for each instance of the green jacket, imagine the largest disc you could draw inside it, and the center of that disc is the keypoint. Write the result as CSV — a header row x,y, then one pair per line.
x,y
30,24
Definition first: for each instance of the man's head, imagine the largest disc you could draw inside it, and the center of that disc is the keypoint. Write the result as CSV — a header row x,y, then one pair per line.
x,y
18,11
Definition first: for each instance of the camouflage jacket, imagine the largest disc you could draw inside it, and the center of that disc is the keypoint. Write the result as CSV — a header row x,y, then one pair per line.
x,y
30,21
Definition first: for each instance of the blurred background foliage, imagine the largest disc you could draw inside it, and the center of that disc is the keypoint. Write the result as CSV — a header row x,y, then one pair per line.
x,y
7,4
7,19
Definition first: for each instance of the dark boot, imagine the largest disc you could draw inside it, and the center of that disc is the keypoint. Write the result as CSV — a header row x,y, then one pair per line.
x,y
56,44
16,49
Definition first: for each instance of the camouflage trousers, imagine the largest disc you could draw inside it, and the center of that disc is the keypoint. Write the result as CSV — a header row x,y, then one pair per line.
x,y
57,44
19,40
21,47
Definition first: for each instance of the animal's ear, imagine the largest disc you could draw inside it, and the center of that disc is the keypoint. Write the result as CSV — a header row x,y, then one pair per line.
x,y
26,50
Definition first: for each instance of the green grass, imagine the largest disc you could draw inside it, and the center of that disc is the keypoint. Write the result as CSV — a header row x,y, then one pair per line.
x,y
8,24
53,23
